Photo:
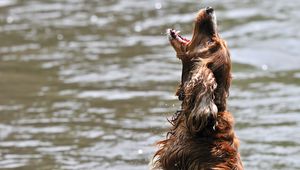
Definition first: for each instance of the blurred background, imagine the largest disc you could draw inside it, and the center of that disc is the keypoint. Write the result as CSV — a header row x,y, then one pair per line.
x,y
89,84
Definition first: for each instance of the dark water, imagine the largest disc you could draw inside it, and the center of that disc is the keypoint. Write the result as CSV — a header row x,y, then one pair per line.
x,y
88,84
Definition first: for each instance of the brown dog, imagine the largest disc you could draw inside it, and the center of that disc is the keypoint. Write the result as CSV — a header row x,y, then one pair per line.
x,y
202,135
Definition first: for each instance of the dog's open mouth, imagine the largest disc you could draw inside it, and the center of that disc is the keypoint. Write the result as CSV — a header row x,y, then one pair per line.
x,y
174,34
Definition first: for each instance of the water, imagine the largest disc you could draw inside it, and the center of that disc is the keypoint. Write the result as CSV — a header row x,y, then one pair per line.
x,y
89,84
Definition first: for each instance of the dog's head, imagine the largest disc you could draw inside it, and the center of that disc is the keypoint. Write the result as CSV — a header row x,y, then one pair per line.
x,y
205,50
204,34
205,41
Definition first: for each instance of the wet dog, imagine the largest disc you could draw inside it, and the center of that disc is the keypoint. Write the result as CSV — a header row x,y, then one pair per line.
x,y
202,135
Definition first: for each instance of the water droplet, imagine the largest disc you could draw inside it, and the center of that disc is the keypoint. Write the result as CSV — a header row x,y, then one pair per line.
x,y
158,5
10,19
137,28
264,67
140,151
60,37
93,19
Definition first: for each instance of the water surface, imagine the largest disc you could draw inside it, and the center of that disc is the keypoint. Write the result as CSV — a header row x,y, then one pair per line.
x,y
89,84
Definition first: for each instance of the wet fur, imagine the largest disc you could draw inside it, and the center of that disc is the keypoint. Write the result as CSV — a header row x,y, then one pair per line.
x,y
202,135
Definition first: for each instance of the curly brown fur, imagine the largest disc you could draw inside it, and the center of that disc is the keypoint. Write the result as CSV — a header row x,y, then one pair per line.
x,y
202,135
207,46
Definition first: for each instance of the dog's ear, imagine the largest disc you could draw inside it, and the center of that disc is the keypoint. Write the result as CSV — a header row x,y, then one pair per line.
x,y
199,99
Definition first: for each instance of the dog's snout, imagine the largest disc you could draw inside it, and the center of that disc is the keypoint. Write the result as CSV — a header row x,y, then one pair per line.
x,y
209,10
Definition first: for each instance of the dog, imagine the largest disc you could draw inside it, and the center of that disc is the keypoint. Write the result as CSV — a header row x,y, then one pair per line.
x,y
202,135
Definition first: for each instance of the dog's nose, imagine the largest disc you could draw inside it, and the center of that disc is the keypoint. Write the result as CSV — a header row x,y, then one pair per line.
x,y
209,10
